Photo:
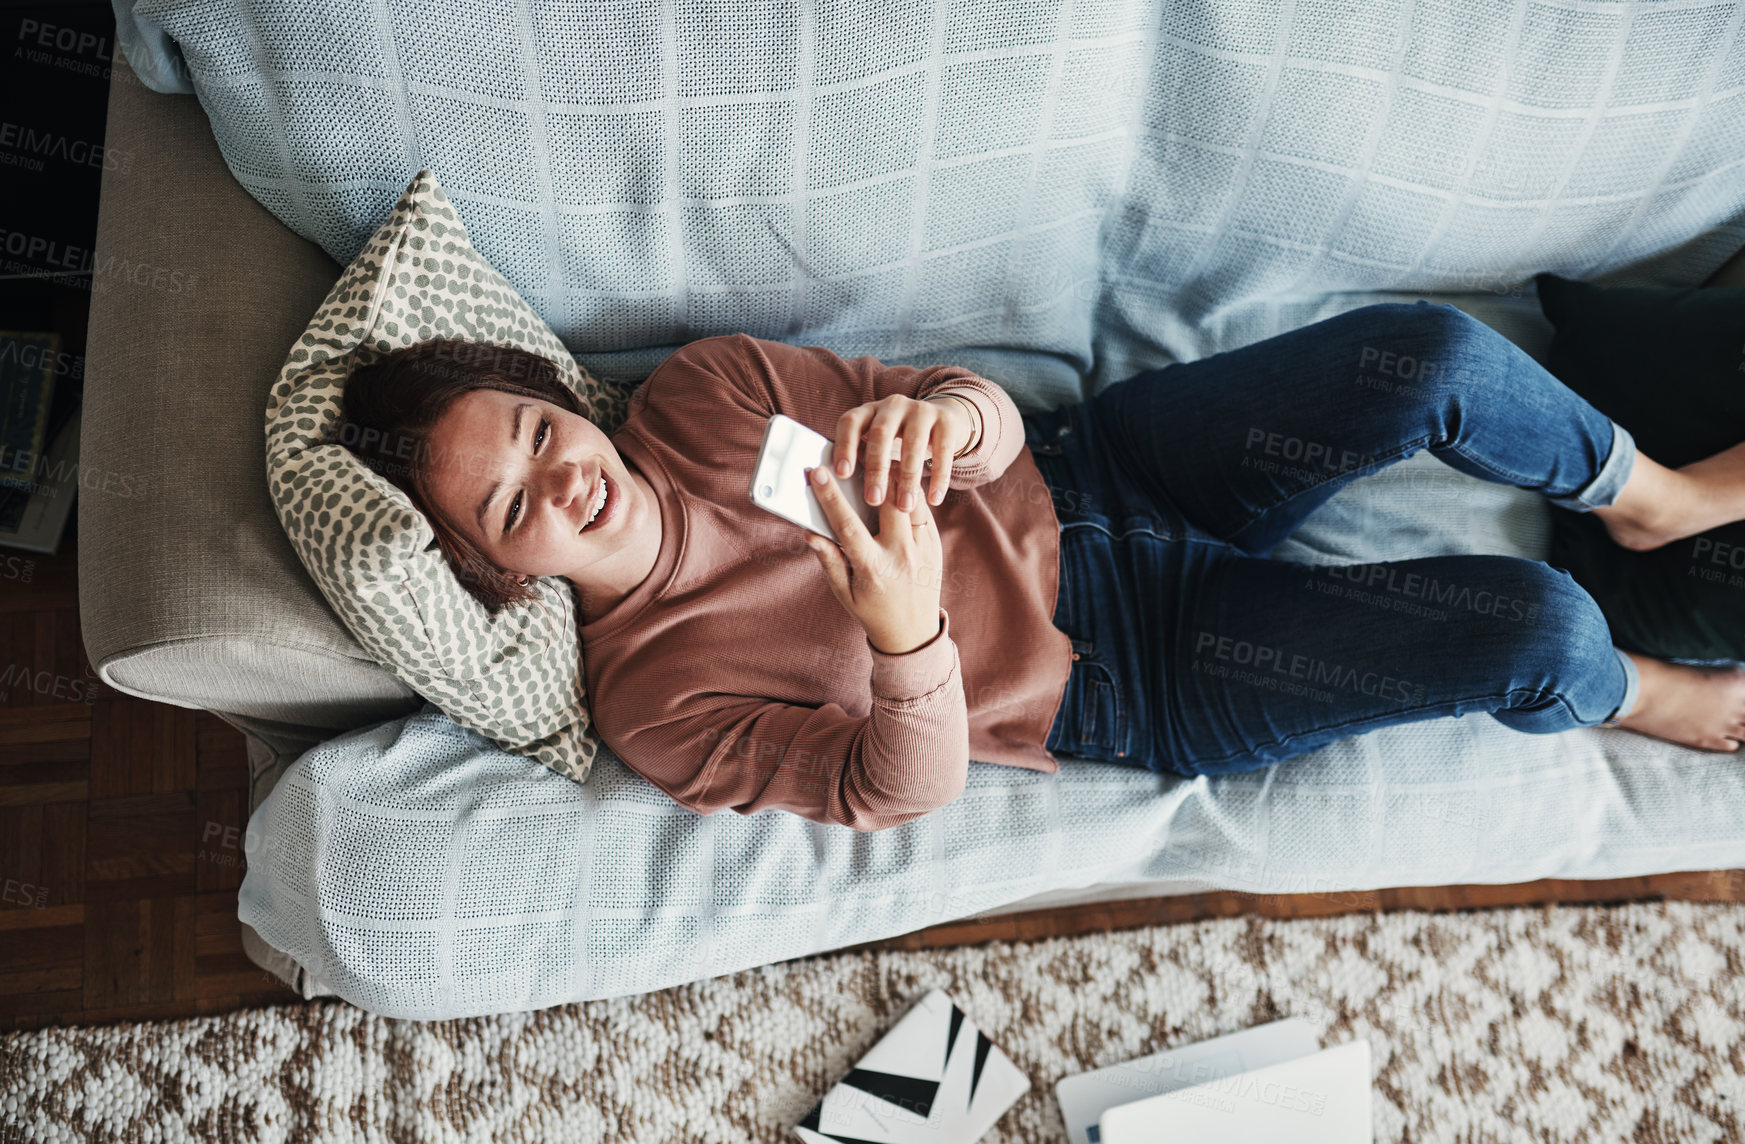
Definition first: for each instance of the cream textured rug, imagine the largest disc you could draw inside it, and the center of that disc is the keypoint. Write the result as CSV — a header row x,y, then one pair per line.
x,y
1556,1023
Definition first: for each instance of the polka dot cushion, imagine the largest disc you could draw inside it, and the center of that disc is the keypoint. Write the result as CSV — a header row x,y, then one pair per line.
x,y
515,678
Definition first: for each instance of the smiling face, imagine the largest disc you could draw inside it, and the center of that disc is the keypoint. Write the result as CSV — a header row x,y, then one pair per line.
x,y
520,477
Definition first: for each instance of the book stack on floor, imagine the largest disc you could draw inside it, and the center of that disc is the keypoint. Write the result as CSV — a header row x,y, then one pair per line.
x,y
39,443
935,1077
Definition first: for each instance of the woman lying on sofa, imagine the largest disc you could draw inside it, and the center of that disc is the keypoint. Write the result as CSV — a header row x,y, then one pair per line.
x,y
1094,583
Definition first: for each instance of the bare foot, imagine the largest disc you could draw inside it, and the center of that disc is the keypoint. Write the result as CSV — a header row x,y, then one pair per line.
x,y
1701,707
1642,532
1658,505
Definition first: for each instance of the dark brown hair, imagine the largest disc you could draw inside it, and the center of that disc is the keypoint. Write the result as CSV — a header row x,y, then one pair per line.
x,y
389,408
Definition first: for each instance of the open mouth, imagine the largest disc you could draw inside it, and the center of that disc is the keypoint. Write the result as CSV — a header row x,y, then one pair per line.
x,y
602,504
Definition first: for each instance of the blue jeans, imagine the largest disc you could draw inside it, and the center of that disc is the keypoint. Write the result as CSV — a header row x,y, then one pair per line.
x,y
1195,654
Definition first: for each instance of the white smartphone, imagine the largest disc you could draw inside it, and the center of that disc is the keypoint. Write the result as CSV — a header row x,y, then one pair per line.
x,y
779,484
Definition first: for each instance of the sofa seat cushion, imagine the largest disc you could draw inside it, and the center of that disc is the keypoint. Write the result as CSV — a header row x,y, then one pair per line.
x,y
546,892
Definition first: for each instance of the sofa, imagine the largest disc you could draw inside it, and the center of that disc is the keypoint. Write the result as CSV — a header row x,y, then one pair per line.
x,y
192,595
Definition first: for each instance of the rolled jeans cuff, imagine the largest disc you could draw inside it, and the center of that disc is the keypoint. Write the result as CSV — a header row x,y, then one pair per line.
x,y
1632,684
1609,481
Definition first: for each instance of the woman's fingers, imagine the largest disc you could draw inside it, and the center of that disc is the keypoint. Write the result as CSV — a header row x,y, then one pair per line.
x,y
881,431
850,531
835,568
850,428
884,426
911,531
920,424
847,442
941,478
921,514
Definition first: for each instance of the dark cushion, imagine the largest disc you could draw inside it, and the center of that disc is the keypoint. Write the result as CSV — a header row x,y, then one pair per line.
x,y
1668,364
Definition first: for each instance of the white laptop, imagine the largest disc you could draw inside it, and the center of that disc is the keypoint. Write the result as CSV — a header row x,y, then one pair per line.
x,y
1084,1097
1322,1098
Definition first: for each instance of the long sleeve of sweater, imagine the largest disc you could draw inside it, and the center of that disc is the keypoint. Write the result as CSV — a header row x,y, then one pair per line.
x,y
763,371
907,757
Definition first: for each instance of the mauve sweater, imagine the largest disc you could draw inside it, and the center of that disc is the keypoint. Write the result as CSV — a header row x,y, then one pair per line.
x,y
732,677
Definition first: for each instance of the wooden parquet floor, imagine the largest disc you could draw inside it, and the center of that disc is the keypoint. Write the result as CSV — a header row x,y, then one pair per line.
x,y
120,831
121,826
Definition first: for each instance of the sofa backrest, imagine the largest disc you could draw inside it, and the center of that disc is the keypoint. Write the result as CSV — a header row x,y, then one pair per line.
x,y
1113,183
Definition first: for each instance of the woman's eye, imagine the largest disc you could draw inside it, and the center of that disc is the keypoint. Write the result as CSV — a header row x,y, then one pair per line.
x,y
514,509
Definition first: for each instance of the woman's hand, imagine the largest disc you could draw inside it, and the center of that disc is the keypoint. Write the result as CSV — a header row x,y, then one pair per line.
x,y
937,428
889,583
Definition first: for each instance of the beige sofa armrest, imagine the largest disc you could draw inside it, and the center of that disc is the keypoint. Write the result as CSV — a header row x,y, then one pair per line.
x,y
190,592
